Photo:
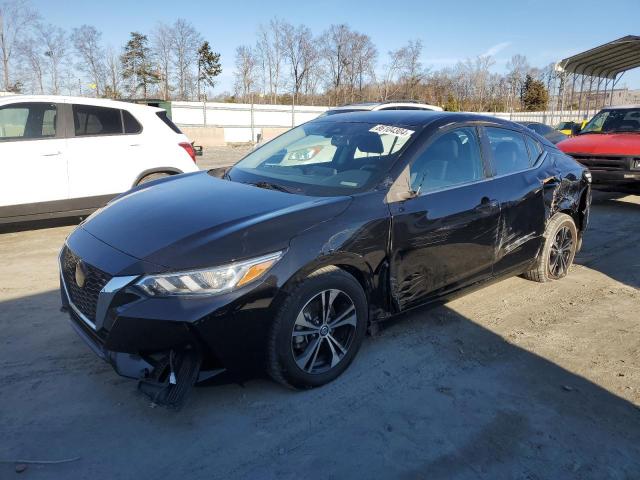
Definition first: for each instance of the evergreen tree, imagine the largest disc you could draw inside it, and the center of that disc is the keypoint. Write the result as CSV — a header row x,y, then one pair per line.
x,y
137,66
534,95
209,67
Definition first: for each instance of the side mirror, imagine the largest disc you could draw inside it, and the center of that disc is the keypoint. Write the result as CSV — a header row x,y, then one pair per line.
x,y
401,189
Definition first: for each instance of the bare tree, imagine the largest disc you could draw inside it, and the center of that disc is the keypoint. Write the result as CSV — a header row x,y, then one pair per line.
x,y
162,39
412,70
300,51
55,43
86,41
185,43
16,17
245,72
269,49
114,73
335,51
518,67
363,55
388,85
29,49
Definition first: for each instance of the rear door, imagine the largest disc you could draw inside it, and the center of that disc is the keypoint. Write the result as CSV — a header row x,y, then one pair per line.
x,y
444,238
517,184
101,154
32,158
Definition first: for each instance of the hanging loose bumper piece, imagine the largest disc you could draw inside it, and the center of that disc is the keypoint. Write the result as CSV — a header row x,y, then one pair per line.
x,y
172,378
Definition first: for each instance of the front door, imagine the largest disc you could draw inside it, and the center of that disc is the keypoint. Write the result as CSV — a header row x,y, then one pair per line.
x,y
444,238
32,159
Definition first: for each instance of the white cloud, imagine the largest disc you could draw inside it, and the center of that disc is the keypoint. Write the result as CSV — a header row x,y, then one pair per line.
x,y
497,48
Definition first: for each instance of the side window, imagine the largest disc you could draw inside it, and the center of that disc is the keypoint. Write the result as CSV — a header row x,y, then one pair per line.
x,y
509,150
91,120
535,150
27,121
452,159
131,125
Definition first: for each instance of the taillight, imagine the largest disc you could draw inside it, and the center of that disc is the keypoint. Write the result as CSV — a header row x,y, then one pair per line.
x,y
189,149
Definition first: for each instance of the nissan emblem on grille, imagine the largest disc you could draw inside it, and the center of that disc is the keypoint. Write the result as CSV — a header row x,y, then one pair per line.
x,y
81,274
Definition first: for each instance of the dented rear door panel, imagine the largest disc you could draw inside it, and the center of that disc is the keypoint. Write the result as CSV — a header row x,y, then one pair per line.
x,y
441,241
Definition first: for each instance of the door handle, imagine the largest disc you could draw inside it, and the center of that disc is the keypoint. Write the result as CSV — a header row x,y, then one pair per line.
x,y
51,154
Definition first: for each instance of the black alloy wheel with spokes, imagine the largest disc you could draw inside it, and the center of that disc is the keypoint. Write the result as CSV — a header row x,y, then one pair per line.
x,y
318,329
561,252
559,249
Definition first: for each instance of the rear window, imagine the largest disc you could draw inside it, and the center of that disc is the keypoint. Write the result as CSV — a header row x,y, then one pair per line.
x,y
509,150
92,120
131,125
163,116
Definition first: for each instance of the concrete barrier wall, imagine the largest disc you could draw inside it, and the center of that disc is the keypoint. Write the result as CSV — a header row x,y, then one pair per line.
x,y
215,124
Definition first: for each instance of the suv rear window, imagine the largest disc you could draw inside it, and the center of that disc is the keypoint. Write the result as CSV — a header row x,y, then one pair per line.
x,y
163,116
131,125
91,120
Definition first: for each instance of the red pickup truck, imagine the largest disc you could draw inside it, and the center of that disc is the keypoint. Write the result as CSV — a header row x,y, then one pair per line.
x,y
609,146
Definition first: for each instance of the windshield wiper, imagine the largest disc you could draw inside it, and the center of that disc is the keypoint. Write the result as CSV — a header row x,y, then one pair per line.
x,y
273,186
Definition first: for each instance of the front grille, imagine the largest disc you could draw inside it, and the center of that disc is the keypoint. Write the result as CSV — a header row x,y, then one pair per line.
x,y
604,163
84,299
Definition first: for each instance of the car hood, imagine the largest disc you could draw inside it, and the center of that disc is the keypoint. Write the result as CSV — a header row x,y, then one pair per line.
x,y
197,220
602,144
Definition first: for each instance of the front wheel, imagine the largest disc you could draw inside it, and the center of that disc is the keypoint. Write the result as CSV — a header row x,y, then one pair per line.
x,y
318,329
558,252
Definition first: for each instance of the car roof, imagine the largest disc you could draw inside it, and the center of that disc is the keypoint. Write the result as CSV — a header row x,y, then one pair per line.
x,y
103,102
413,118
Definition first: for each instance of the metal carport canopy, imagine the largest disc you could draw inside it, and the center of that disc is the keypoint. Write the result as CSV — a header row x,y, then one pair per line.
x,y
605,61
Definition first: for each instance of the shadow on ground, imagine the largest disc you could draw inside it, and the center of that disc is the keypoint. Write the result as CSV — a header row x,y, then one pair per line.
x,y
434,396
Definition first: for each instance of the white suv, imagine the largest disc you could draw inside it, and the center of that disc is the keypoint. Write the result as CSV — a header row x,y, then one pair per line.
x,y
64,156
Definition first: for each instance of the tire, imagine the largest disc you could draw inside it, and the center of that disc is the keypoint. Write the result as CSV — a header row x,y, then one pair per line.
x,y
306,350
152,176
558,252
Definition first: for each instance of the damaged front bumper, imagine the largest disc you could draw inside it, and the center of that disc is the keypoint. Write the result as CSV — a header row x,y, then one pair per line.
x,y
168,344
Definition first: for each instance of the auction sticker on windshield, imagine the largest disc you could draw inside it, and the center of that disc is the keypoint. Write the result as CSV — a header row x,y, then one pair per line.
x,y
390,130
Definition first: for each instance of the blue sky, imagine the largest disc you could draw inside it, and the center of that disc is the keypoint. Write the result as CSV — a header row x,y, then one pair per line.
x,y
543,30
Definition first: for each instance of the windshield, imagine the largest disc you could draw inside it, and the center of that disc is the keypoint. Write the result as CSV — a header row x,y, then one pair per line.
x,y
614,121
325,158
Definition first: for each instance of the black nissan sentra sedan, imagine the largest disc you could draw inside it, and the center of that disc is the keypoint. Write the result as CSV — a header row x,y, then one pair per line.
x,y
283,261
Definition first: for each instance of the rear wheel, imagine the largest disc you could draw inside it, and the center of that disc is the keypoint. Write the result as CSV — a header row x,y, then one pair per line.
x,y
558,252
318,329
153,176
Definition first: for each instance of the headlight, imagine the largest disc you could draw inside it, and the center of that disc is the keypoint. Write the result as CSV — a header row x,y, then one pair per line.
x,y
209,281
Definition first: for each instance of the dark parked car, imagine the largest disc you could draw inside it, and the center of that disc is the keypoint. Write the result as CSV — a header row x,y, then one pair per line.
x,y
550,133
282,264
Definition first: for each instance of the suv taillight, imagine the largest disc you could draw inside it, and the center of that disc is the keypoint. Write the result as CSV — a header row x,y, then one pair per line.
x,y
189,149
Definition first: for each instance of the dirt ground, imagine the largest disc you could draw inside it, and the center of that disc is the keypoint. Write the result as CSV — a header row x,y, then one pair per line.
x,y
518,381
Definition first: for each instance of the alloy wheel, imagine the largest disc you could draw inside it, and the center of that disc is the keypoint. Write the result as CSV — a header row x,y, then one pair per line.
x,y
324,331
561,252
